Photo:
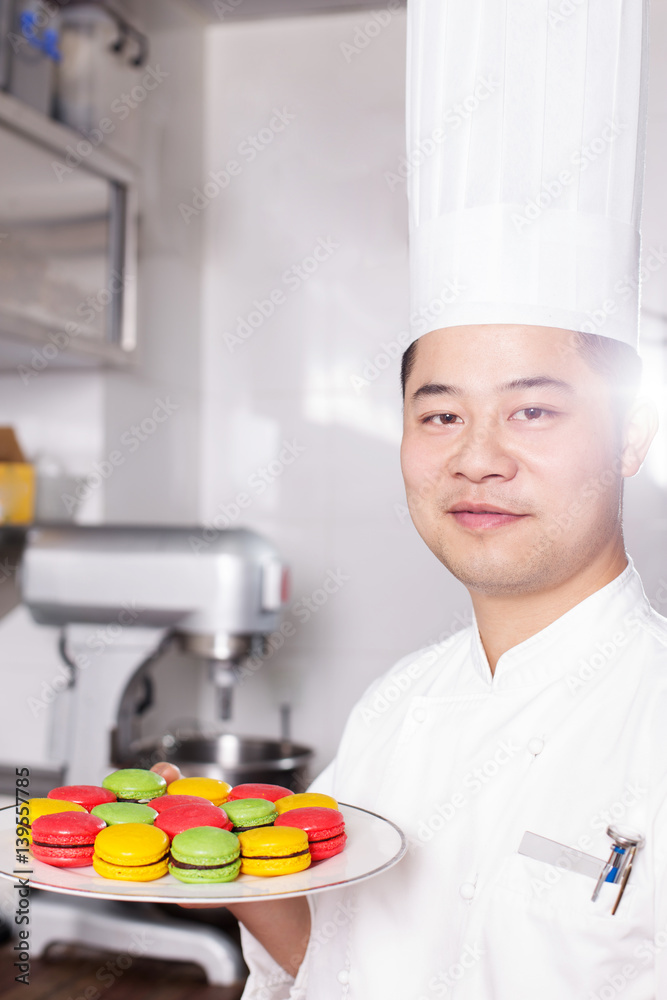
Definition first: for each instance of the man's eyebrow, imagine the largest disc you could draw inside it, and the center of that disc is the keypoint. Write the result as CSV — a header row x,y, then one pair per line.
x,y
435,389
538,382
531,382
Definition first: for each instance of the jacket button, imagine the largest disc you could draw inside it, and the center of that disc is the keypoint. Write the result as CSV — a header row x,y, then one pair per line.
x,y
343,977
419,715
535,746
467,890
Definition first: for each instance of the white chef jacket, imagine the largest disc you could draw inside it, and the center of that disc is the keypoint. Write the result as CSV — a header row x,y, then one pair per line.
x,y
568,735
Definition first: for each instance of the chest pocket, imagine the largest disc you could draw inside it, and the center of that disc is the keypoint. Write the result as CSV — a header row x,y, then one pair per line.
x,y
556,894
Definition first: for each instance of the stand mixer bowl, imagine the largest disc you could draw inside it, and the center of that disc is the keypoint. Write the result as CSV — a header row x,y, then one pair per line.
x,y
236,759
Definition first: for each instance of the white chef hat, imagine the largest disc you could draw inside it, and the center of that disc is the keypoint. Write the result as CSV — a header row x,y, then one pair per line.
x,y
526,135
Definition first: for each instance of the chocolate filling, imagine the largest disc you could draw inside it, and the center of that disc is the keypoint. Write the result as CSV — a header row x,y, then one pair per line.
x,y
257,826
65,847
141,864
324,840
274,857
201,868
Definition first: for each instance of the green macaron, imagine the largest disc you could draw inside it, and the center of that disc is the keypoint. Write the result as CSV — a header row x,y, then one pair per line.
x,y
246,814
124,812
205,854
132,784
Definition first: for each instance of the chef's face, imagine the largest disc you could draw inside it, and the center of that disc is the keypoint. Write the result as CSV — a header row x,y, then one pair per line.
x,y
512,460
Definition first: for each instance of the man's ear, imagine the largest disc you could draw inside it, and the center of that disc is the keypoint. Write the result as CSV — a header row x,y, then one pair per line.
x,y
641,425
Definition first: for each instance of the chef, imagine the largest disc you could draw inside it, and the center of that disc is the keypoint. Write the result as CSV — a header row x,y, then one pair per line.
x,y
507,751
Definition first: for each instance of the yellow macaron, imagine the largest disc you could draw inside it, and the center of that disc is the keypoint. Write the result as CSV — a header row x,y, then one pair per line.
x,y
206,788
131,852
304,800
274,850
45,807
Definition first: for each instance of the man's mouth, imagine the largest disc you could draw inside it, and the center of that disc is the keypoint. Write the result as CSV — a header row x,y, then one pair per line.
x,y
483,516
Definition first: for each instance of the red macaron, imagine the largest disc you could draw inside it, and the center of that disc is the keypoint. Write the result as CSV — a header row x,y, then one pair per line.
x,y
325,829
258,791
66,839
164,802
173,821
87,796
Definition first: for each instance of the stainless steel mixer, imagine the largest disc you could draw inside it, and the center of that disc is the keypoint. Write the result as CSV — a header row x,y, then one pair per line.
x,y
155,622
127,599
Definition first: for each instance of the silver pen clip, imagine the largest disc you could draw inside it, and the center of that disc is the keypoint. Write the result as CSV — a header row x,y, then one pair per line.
x,y
625,844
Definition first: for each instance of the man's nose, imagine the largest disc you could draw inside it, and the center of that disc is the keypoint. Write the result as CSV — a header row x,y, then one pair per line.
x,y
481,454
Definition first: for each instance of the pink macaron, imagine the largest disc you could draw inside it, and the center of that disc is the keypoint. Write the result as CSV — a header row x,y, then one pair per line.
x,y
173,821
325,829
87,796
65,839
164,802
258,791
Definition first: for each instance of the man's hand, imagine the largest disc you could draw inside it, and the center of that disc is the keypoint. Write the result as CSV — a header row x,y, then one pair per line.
x,y
168,771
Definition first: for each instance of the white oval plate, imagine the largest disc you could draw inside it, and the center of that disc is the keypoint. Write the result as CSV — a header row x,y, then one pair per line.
x,y
374,844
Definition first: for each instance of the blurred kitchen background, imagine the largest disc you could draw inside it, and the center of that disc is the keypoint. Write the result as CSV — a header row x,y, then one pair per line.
x,y
272,305
242,181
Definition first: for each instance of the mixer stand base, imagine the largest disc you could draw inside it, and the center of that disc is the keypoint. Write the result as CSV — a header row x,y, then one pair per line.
x,y
132,930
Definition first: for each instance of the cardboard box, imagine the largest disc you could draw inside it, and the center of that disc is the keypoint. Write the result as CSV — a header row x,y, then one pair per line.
x,y
17,481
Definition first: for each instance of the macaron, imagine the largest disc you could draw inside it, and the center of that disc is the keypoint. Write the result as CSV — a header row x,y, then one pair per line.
x,y
205,854
47,807
245,814
131,852
133,784
174,821
65,839
208,788
304,799
171,801
258,791
87,796
325,829
124,812
276,850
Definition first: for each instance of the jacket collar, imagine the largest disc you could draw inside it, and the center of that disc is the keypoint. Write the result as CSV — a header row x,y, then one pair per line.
x,y
588,636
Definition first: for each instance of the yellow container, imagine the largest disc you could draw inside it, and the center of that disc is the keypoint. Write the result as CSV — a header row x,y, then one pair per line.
x,y
17,481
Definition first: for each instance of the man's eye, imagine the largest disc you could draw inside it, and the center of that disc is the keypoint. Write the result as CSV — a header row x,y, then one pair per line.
x,y
531,413
442,418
